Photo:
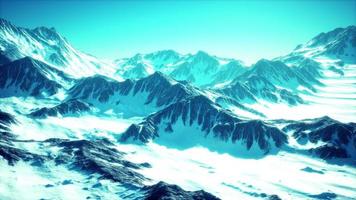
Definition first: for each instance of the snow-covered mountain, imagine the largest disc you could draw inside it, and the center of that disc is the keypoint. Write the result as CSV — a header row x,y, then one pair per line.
x,y
200,69
47,45
29,77
198,121
178,126
332,138
70,107
98,159
274,81
139,97
339,43
329,59
312,79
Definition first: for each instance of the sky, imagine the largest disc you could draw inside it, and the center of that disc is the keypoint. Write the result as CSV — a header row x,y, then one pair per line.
x,y
245,30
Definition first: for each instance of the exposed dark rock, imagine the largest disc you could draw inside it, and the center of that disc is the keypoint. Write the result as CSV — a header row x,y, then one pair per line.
x,y
13,155
6,118
274,197
6,136
164,191
157,89
97,157
324,196
211,119
330,151
67,182
69,107
339,43
26,76
311,170
98,87
339,138
262,81
49,185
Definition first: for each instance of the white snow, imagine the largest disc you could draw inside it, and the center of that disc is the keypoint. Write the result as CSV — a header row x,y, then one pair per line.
x,y
234,178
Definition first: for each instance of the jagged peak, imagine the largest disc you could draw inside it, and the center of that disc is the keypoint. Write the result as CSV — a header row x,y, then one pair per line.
x,y
4,22
98,77
234,63
158,74
26,61
263,62
324,119
335,35
201,99
158,77
46,31
164,52
202,53
269,66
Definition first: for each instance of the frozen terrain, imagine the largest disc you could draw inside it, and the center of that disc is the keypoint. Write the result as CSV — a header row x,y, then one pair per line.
x,y
169,126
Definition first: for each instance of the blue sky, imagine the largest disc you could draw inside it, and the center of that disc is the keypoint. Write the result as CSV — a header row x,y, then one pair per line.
x,y
246,30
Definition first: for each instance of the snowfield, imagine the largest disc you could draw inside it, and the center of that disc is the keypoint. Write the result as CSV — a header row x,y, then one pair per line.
x,y
287,174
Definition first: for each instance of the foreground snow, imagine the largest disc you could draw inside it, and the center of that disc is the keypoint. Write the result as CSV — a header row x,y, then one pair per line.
x,y
288,175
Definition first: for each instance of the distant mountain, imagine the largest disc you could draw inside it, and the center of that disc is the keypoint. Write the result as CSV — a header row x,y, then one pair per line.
x,y
200,69
70,107
29,77
199,121
339,43
142,96
48,46
137,97
327,63
269,80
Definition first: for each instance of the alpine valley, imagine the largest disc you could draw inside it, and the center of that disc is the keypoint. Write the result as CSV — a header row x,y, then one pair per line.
x,y
164,125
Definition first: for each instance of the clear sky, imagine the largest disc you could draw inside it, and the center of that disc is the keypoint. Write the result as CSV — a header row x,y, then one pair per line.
x,y
246,30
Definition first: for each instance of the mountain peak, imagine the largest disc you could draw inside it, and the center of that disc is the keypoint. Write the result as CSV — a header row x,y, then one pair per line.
x,y
338,43
158,78
27,77
4,22
47,33
28,62
166,51
332,36
262,61
201,53
265,65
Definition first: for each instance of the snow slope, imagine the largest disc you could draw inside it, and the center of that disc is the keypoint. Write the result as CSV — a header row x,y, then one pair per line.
x,y
96,137
48,46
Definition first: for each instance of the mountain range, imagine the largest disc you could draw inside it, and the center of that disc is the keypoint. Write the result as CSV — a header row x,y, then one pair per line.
x,y
299,104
